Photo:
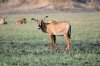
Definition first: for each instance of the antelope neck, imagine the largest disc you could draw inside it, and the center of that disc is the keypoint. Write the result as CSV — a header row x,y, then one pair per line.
x,y
44,27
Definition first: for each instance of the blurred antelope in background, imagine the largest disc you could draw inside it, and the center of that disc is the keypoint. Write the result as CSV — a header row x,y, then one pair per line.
x,y
55,28
2,21
21,21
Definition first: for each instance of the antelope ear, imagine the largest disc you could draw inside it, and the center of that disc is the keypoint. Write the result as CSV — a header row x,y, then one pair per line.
x,y
24,18
46,16
33,19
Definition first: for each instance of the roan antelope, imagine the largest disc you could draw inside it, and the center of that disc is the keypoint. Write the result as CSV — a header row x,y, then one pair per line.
x,y
2,21
55,28
21,21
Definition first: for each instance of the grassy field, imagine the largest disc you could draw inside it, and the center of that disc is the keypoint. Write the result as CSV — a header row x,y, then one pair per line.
x,y
25,45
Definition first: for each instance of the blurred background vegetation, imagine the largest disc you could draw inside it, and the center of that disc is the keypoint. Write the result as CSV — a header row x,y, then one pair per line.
x,y
28,5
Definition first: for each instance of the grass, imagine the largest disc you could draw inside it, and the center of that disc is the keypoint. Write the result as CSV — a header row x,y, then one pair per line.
x,y
25,45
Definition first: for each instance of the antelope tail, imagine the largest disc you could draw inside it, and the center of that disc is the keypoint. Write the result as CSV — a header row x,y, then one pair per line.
x,y
69,32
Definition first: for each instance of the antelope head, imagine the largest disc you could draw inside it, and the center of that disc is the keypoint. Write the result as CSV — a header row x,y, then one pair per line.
x,y
39,22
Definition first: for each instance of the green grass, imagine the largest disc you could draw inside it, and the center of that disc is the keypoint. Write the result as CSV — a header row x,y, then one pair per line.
x,y
25,45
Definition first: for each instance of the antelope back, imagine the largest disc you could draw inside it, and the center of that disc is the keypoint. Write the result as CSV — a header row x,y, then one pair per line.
x,y
58,28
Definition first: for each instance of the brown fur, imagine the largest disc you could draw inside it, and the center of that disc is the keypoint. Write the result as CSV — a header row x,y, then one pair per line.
x,y
55,28
2,21
21,21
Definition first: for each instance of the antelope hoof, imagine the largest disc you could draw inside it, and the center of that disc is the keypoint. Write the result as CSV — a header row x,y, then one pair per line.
x,y
66,49
56,48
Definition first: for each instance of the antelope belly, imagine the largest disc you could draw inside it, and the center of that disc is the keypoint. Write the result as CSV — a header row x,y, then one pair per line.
x,y
58,33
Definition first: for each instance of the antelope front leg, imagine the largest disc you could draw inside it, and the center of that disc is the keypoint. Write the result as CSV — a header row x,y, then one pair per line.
x,y
54,39
50,41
